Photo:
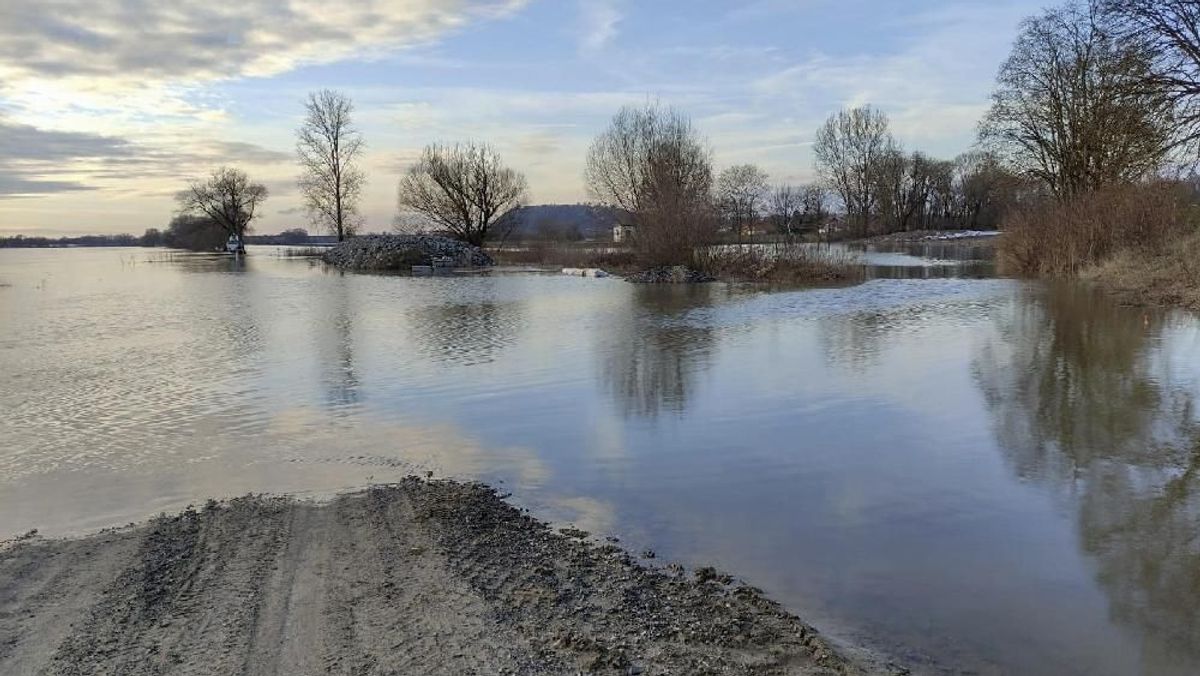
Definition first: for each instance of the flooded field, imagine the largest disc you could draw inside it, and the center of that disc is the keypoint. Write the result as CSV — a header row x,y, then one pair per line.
x,y
972,474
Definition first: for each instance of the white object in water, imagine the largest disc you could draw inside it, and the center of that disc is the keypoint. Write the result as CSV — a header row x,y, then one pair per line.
x,y
584,272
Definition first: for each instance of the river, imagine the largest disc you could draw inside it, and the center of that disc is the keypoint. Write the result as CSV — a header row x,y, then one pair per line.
x,y
968,473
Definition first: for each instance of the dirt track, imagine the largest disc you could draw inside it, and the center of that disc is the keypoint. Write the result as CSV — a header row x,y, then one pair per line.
x,y
416,578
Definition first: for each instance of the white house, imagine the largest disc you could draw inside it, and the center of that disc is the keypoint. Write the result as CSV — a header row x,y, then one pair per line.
x,y
623,233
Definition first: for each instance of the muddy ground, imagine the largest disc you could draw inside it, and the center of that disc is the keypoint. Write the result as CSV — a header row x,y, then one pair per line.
x,y
416,578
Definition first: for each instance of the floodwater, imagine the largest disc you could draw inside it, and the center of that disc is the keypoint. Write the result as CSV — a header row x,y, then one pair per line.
x,y
967,473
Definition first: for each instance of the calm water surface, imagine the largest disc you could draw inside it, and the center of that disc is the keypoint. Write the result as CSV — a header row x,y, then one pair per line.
x,y
971,474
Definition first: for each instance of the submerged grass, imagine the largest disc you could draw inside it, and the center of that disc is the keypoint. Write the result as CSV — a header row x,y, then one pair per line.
x,y
782,263
1168,276
557,254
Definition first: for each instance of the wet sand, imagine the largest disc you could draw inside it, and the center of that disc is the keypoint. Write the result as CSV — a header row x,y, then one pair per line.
x,y
420,577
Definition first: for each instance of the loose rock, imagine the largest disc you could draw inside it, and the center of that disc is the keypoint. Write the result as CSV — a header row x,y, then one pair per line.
x,y
401,252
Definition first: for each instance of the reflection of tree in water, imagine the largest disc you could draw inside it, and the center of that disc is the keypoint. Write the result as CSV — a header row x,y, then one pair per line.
x,y
466,333
649,359
855,340
335,346
1081,401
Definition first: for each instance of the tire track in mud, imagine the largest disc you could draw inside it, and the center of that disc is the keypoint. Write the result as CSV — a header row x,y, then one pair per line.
x,y
419,577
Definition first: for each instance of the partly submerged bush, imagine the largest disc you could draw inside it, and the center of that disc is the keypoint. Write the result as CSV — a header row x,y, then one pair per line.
x,y
1063,237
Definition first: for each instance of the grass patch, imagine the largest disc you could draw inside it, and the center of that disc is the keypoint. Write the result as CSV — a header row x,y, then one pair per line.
x,y
557,254
783,263
1169,276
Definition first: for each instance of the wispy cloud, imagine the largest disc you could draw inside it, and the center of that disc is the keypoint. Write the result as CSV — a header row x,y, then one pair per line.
x,y
36,161
195,40
599,20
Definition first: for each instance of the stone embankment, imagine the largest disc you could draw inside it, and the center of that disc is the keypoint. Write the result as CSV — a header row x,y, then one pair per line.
x,y
401,252
676,274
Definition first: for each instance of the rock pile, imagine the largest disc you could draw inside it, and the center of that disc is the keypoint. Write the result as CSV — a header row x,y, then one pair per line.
x,y
401,252
675,274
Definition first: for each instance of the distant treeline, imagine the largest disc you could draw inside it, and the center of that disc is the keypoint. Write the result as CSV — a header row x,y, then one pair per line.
x,y
23,242
183,234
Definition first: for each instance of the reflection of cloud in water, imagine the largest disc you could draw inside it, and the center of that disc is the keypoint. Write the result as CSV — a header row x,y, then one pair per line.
x,y
308,436
301,450
1085,402
595,516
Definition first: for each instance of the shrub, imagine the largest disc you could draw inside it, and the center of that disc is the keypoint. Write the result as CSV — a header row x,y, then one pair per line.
x,y
1063,237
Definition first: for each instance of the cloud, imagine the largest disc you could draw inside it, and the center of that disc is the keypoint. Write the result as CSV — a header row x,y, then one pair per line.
x,y
23,142
35,161
599,19
198,41
29,155
14,185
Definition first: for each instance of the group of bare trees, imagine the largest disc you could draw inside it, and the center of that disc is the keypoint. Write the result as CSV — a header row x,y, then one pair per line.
x,y
884,189
1095,93
1098,94
652,164
1072,109
1098,109
463,189
224,204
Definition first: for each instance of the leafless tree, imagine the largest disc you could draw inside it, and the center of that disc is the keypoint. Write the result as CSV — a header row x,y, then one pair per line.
x,y
228,198
848,149
1070,107
651,163
1169,32
814,204
463,189
983,189
741,190
328,146
784,207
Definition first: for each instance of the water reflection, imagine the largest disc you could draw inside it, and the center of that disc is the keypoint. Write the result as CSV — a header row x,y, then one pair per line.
x,y
994,475
466,333
334,333
1086,401
650,364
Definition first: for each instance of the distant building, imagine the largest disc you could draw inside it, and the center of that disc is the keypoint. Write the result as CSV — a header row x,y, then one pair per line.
x,y
623,233
832,227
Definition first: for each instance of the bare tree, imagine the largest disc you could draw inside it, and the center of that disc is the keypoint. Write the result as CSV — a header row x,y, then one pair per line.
x,y
464,189
328,146
1071,108
228,198
1169,33
814,204
740,193
983,190
784,205
651,163
847,151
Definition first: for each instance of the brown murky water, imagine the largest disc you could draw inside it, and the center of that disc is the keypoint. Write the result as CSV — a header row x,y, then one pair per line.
x,y
973,474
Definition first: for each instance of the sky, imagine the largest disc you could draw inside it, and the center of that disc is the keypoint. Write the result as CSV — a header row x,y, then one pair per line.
x,y
109,107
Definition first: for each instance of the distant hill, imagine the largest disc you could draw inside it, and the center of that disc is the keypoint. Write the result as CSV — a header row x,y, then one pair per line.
x,y
565,221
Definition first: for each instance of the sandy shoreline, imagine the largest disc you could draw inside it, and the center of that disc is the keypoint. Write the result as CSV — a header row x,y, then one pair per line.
x,y
418,577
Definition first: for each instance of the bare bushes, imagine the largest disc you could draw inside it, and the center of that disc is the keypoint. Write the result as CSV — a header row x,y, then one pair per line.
x,y
1062,237
562,254
652,164
783,263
